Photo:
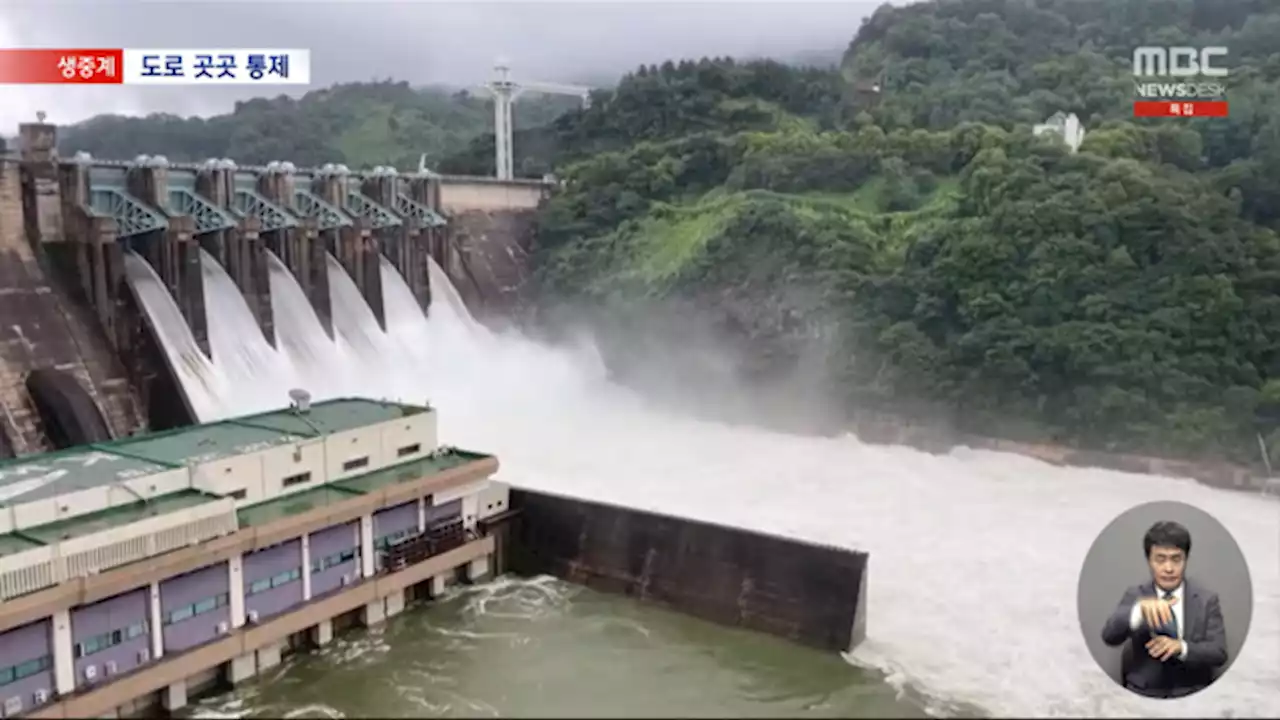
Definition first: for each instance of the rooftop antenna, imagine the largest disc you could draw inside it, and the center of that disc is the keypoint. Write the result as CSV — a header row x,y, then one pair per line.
x,y
505,91
300,400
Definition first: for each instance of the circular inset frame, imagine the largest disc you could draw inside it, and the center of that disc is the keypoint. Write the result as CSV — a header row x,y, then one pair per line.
x,y
1116,569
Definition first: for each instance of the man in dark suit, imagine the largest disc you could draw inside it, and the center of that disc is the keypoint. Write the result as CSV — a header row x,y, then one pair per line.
x,y
1174,624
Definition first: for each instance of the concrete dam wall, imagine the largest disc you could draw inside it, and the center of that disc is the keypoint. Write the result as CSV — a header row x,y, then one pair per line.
x,y
807,593
42,328
491,233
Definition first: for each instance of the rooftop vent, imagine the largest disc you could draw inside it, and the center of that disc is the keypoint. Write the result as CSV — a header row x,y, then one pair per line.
x,y
301,400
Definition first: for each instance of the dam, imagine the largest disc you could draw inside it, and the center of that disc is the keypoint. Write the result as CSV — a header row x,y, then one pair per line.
x,y
1003,533
169,527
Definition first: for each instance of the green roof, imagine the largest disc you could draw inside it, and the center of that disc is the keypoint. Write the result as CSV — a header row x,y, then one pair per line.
x,y
13,544
212,442
44,476
295,504
49,475
38,477
82,525
329,418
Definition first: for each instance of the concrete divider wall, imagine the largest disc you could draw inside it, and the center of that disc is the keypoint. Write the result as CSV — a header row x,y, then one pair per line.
x,y
811,594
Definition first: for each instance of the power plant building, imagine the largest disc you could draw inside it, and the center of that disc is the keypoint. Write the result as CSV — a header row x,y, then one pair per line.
x,y
131,569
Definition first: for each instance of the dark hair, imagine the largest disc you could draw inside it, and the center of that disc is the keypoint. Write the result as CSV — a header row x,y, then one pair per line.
x,y
1167,533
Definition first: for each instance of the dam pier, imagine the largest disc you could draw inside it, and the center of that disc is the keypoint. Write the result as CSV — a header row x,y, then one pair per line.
x,y
154,546
65,223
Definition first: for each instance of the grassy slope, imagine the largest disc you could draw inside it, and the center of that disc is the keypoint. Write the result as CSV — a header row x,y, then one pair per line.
x,y
653,251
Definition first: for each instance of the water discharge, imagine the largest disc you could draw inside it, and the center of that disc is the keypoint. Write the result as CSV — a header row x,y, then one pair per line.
x,y
975,555
380,364
200,381
258,375
323,365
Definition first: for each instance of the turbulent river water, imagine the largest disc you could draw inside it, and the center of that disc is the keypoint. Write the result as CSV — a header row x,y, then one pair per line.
x,y
975,555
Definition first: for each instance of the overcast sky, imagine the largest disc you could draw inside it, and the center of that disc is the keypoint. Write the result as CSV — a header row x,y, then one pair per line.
x,y
419,41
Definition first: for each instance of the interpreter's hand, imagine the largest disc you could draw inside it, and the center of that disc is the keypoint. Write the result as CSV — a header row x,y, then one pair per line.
x,y
1162,647
1157,612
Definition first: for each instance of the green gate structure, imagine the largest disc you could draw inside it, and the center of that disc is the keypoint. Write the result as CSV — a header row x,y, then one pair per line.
x,y
311,205
108,197
377,216
419,214
246,201
184,200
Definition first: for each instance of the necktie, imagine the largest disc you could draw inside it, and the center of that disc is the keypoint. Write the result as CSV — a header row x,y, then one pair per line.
x,y
1170,628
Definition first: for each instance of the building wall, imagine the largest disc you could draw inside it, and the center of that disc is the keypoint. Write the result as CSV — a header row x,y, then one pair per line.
x,y
116,630
279,568
354,452
125,491
458,194
395,519
260,475
409,438
447,511
324,546
192,606
469,494
495,499
392,524
18,646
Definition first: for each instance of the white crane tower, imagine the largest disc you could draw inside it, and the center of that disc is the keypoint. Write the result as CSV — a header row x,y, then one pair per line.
x,y
505,91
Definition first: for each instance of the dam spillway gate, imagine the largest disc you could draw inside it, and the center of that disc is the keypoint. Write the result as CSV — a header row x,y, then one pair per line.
x,y
68,223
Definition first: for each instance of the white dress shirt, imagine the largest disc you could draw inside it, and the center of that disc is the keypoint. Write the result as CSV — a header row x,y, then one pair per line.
x,y
1135,616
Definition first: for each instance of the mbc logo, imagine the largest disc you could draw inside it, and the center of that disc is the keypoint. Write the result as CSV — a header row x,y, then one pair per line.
x,y
1177,62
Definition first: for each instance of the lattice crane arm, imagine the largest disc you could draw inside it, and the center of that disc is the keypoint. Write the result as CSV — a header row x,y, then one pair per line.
x,y
555,88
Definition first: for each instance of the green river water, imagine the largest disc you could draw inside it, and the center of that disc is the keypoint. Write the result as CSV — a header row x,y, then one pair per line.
x,y
545,648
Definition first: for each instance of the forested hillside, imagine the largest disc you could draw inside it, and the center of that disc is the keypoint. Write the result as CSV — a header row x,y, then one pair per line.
x,y
360,124
889,235
896,230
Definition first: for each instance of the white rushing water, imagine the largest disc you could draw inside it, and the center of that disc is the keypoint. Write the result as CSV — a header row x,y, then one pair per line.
x,y
975,555
256,374
200,380
324,366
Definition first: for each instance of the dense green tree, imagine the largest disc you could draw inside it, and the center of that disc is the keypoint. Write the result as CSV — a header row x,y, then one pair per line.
x,y
360,124
944,260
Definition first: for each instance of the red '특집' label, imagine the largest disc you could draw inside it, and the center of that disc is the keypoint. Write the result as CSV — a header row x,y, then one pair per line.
x,y
1170,108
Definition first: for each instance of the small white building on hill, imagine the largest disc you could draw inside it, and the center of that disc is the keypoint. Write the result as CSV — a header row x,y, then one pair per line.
x,y
1066,126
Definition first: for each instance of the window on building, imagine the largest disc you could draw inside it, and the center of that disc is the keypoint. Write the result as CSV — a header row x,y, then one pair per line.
x,y
259,586
31,667
13,673
179,614
355,464
186,612
385,541
298,479
286,577
409,450
334,560
98,643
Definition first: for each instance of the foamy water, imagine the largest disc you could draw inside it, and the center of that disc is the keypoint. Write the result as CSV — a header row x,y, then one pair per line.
x,y
974,555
